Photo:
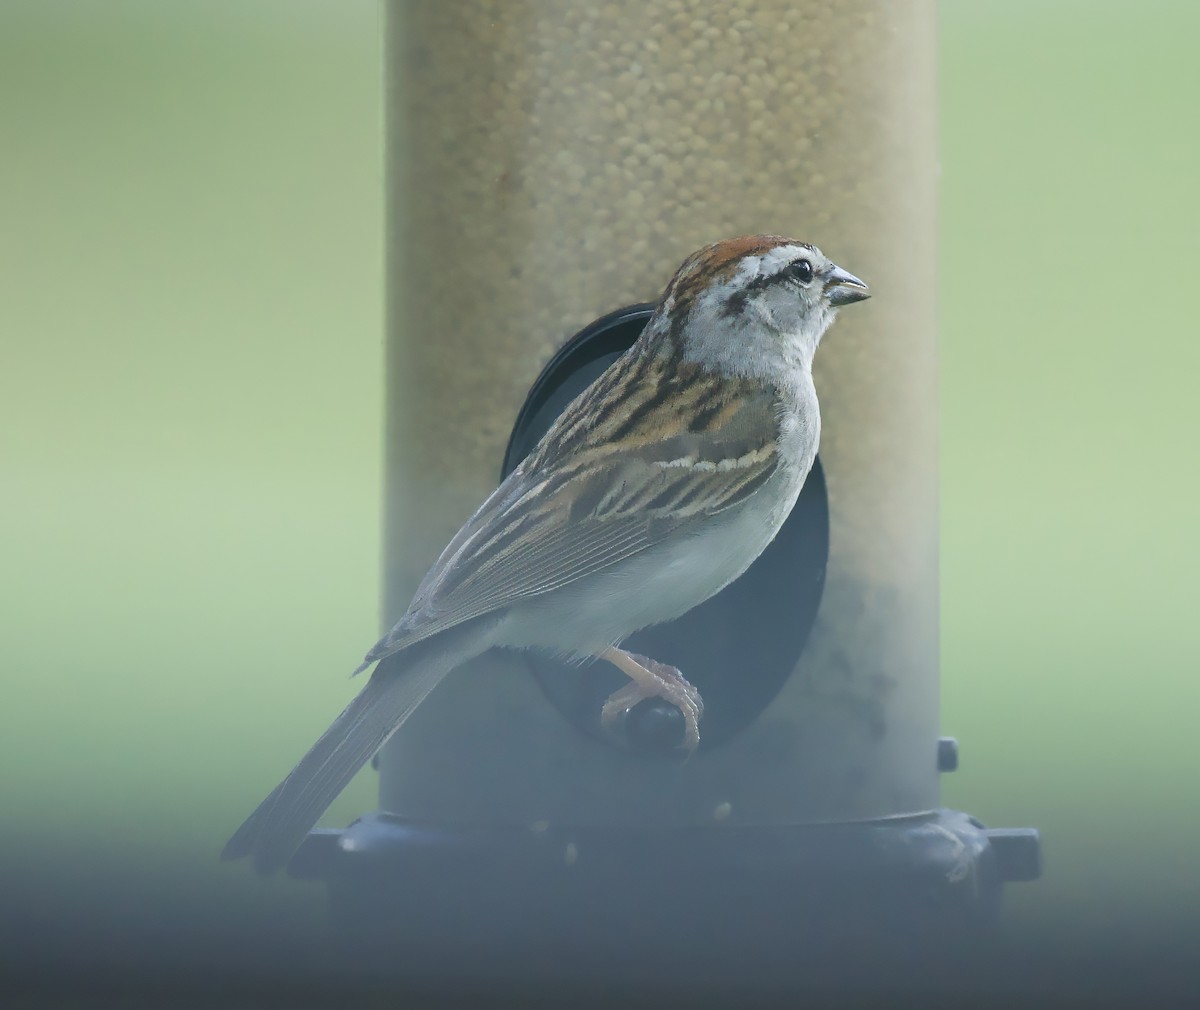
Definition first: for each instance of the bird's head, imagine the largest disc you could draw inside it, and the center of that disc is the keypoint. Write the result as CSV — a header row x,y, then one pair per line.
x,y
761,295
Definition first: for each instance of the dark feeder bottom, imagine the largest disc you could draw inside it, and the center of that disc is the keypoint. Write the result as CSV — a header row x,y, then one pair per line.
x,y
685,910
681,910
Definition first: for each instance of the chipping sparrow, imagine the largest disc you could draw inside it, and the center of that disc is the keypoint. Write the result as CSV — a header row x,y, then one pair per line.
x,y
656,488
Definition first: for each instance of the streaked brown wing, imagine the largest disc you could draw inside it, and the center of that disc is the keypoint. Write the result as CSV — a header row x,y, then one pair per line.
x,y
666,447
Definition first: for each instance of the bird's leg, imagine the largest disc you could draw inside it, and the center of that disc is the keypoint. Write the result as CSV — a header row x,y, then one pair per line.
x,y
651,679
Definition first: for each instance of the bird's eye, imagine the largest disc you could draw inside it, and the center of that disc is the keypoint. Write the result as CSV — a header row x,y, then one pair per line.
x,y
802,271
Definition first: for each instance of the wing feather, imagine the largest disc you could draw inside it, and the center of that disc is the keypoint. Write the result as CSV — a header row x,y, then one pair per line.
x,y
594,493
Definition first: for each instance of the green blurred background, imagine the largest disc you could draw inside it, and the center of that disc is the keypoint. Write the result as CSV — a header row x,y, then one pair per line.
x,y
190,413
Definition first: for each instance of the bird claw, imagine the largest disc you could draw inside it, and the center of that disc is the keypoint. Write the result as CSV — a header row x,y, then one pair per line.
x,y
664,682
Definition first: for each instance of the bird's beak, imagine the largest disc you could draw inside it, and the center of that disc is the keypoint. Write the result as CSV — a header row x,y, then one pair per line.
x,y
843,288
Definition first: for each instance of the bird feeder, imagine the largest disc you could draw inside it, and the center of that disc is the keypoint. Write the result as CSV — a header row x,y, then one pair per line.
x,y
550,163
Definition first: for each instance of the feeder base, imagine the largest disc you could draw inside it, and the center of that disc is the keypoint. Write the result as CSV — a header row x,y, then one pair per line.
x,y
724,907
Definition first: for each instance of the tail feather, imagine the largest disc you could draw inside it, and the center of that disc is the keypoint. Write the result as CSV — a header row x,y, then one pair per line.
x,y
280,823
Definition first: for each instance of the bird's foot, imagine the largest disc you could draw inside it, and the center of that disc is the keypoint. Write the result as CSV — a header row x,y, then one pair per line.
x,y
650,679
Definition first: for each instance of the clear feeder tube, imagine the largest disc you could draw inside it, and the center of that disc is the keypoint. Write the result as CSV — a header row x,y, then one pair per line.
x,y
550,161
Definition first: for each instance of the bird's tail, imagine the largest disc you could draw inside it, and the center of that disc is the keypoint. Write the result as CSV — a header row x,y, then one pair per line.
x,y
280,823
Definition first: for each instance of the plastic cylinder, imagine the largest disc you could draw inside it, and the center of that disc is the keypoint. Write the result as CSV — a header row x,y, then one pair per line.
x,y
550,161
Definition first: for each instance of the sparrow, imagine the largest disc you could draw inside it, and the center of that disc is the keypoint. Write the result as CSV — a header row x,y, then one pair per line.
x,y
656,487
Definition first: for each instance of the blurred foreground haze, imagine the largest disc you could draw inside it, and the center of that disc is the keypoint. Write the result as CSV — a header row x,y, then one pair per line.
x,y
190,422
